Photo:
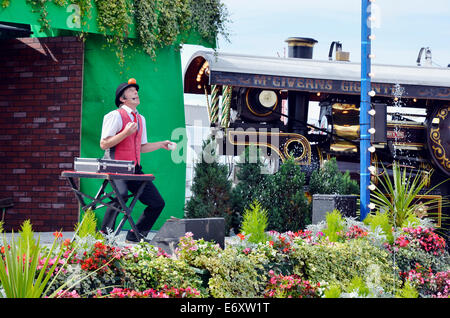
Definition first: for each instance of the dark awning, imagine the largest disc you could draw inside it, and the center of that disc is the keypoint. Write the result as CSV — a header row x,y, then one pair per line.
x,y
14,30
294,74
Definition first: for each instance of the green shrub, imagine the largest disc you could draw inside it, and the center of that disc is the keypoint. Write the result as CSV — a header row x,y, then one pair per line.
x,y
88,226
146,268
407,291
255,223
339,263
250,177
284,198
358,285
194,252
332,291
211,189
335,225
408,257
381,220
234,274
330,180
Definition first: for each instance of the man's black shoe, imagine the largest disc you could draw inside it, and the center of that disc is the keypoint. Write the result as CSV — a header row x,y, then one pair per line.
x,y
132,239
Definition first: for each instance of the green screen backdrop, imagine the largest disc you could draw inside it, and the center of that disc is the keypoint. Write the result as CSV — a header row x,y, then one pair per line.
x,y
161,95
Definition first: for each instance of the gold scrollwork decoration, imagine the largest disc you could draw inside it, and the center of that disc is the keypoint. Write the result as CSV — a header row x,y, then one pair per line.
x,y
435,137
238,138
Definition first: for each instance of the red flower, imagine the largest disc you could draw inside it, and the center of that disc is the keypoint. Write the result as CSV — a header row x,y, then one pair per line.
x,y
57,234
241,236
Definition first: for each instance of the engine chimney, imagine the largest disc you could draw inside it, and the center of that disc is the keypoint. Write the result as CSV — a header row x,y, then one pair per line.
x,y
298,102
300,47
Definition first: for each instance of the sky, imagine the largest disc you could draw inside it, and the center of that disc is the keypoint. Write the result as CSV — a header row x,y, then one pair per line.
x,y
401,28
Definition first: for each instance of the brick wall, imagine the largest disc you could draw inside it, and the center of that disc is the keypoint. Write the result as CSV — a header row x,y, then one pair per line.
x,y
40,99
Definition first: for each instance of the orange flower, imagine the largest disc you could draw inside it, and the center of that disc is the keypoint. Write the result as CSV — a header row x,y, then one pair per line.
x,y
241,236
57,234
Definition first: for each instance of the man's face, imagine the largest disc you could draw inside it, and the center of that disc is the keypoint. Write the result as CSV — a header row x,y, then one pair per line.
x,y
130,97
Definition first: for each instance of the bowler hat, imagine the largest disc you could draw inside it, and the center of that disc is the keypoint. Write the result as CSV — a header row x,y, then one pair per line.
x,y
121,88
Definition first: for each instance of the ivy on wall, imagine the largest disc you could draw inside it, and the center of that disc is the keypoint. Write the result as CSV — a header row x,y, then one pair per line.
x,y
113,20
210,18
158,23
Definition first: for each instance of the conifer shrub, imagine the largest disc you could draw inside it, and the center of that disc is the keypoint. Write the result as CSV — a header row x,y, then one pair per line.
x,y
211,188
250,178
283,195
330,180
255,223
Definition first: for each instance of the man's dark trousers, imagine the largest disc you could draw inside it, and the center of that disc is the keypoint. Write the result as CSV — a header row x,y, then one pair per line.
x,y
150,197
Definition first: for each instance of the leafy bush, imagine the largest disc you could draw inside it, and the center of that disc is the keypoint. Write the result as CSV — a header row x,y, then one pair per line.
x,y
90,264
407,291
420,246
381,220
255,222
194,252
336,228
330,180
290,286
165,292
358,285
28,269
428,283
250,178
337,258
284,198
88,226
335,225
332,291
146,268
235,274
338,263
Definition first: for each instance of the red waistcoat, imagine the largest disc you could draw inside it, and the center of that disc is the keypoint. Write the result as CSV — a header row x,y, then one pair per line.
x,y
130,147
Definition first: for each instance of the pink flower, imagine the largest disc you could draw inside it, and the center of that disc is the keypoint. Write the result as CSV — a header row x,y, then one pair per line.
x,y
247,250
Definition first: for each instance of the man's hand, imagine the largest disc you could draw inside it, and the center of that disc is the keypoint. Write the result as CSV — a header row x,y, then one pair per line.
x,y
166,144
130,129
112,141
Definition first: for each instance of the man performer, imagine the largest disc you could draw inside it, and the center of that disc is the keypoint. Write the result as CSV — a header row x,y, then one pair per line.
x,y
124,137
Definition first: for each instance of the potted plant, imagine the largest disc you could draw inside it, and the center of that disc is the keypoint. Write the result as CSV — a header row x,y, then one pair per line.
x,y
332,190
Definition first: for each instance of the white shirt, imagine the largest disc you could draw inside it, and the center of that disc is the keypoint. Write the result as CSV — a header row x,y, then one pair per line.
x,y
112,123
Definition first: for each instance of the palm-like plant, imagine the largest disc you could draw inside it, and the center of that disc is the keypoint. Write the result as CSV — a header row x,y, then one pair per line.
x,y
19,272
21,275
400,197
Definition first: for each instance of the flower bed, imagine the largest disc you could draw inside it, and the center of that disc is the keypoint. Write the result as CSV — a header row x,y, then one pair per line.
x,y
355,261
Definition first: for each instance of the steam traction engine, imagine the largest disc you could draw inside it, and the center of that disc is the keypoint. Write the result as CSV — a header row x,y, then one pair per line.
x,y
266,101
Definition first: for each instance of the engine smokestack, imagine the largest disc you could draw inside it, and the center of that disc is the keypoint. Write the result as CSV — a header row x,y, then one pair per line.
x,y
300,47
298,101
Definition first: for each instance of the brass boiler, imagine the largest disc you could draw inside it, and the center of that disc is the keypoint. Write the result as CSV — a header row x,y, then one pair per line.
x,y
405,143
345,123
